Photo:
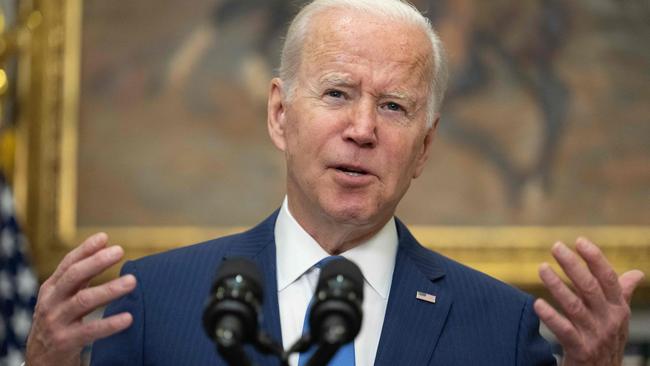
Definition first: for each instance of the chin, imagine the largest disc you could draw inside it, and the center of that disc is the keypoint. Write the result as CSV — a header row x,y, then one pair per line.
x,y
350,212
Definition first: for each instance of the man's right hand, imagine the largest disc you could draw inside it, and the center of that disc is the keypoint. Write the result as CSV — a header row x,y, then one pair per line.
x,y
58,332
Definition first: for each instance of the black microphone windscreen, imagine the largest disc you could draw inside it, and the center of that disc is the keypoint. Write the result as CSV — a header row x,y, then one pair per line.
x,y
346,268
232,267
336,314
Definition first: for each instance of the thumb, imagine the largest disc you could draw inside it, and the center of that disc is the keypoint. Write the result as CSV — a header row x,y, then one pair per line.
x,y
629,281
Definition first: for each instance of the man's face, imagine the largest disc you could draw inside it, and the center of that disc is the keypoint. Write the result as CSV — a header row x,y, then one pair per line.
x,y
354,132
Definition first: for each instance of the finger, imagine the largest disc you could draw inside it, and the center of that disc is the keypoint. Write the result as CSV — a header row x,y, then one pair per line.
x,y
575,310
584,282
87,300
86,333
81,272
601,269
564,331
629,281
90,246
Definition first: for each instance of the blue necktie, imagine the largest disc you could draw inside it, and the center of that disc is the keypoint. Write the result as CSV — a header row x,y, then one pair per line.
x,y
345,355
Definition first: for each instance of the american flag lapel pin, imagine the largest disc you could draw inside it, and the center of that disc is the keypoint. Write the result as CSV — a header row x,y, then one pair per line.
x,y
425,297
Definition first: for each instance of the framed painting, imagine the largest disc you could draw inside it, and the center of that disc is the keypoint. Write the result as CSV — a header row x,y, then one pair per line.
x,y
146,120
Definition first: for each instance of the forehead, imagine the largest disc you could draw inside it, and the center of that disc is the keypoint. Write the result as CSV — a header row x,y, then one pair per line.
x,y
387,48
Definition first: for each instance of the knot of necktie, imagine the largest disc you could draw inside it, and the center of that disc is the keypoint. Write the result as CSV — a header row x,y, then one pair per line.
x,y
323,262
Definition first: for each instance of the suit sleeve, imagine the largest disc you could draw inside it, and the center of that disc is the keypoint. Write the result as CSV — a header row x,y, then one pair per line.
x,y
126,347
532,348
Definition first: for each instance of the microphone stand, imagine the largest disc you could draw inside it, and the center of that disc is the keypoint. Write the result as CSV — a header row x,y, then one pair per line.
x,y
229,343
234,355
324,353
332,340
266,345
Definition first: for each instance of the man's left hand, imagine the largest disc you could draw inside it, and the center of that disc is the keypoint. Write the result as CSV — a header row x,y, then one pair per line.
x,y
594,328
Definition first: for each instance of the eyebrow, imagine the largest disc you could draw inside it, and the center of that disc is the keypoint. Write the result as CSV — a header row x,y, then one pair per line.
x,y
336,79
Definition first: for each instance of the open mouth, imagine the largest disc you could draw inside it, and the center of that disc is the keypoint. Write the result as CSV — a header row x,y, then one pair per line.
x,y
351,171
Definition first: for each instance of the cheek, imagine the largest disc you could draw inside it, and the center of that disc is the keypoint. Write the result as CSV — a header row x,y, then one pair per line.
x,y
315,130
305,138
402,158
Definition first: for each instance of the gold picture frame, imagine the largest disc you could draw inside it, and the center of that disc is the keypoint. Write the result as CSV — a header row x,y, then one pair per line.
x,y
45,181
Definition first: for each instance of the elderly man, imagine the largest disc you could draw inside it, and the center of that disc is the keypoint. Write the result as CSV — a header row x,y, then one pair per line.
x,y
355,112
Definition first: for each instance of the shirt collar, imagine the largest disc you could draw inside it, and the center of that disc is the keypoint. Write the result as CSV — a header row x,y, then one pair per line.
x,y
297,252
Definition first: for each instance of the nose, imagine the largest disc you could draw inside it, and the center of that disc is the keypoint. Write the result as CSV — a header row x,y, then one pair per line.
x,y
362,125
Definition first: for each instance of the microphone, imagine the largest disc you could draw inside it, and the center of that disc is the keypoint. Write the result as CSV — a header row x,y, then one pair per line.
x,y
230,317
336,313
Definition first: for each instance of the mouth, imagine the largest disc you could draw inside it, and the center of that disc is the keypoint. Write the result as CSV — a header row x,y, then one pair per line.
x,y
352,171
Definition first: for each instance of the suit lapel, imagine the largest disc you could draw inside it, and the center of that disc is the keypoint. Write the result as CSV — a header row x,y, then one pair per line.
x,y
258,244
411,326
271,312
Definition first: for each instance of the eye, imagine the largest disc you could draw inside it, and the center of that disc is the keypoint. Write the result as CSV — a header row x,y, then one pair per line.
x,y
392,106
334,93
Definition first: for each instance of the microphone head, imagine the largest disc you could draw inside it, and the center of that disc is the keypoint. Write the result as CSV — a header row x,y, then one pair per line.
x,y
342,267
246,268
231,312
336,313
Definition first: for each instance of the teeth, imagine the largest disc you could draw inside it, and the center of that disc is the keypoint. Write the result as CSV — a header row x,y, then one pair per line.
x,y
353,173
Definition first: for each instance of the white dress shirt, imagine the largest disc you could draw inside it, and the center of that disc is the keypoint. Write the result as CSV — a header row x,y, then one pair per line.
x,y
297,252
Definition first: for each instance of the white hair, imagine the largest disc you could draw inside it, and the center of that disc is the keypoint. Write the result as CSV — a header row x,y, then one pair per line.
x,y
397,10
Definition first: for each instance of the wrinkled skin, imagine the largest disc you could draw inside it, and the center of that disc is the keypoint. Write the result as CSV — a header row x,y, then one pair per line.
x,y
594,328
359,104
58,333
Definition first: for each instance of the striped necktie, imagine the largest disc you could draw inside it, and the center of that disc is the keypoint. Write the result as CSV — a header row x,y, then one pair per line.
x,y
345,355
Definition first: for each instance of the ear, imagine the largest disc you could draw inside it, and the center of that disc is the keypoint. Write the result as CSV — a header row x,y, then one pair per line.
x,y
426,147
276,114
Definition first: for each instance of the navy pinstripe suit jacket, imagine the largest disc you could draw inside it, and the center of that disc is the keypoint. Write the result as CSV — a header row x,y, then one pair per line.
x,y
476,319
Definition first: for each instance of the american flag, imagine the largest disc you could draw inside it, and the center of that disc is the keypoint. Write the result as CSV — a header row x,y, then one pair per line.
x,y
18,285
425,297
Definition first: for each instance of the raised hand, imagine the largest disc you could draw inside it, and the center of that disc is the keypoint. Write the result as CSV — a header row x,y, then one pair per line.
x,y
594,328
58,332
